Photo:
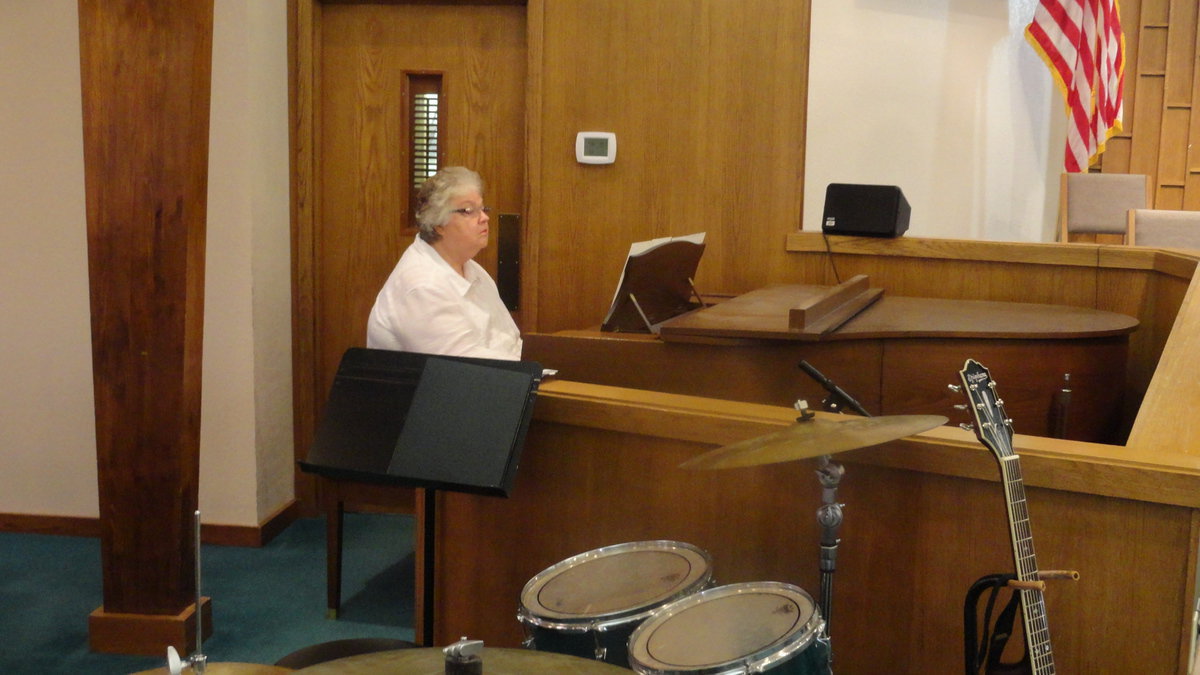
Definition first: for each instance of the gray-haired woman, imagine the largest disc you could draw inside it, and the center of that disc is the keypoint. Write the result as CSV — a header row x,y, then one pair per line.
x,y
438,300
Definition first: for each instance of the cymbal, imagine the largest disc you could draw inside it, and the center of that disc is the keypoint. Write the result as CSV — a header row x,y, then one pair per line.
x,y
496,661
814,437
230,668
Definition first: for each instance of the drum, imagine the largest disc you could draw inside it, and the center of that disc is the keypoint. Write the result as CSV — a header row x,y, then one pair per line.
x,y
761,627
589,604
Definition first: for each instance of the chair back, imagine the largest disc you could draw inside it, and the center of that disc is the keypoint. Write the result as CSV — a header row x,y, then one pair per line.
x,y
1093,206
1162,228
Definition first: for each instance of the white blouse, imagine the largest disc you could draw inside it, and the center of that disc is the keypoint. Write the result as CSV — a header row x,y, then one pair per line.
x,y
426,307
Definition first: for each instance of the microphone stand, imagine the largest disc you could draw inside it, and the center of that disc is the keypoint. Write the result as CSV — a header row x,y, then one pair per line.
x,y
838,398
829,515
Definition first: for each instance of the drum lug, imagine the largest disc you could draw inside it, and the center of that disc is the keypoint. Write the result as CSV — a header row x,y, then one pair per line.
x,y
598,648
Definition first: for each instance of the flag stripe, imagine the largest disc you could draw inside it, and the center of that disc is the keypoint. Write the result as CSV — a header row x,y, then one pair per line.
x,y
1082,43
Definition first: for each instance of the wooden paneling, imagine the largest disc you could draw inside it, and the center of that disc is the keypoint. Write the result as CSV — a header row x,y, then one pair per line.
x,y
1181,53
303,102
707,102
924,518
1146,284
1145,139
1166,414
365,50
694,152
1118,150
888,377
762,373
1162,101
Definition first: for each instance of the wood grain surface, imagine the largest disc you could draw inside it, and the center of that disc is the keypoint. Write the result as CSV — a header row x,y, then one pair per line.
x,y
924,518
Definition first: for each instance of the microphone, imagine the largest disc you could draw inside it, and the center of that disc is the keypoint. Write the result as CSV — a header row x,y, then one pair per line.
x,y
838,396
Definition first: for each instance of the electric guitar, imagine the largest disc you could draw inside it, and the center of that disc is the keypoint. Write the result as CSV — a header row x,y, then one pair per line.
x,y
994,430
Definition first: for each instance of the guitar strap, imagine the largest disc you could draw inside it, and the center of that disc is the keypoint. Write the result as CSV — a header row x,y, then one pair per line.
x,y
987,651
999,638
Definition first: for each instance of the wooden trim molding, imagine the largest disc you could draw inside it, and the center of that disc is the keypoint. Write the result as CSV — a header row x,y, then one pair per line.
x,y
303,23
70,526
220,535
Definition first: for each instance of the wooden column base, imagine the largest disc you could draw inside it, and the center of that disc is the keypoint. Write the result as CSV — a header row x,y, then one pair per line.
x,y
147,634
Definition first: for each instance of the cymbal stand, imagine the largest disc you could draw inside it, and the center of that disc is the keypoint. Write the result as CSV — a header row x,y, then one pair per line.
x,y
829,516
829,474
197,661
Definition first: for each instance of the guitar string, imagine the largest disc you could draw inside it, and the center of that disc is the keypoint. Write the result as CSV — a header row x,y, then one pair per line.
x,y
1032,600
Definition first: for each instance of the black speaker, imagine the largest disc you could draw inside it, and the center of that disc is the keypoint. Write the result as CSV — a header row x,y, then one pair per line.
x,y
865,210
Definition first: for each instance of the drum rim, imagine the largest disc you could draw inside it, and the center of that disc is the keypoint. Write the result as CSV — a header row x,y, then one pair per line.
x,y
607,620
757,661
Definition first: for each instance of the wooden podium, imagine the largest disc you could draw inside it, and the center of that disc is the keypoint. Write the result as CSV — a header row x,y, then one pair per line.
x,y
891,352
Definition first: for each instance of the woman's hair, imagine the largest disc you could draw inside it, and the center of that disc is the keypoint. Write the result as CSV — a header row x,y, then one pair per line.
x,y
433,199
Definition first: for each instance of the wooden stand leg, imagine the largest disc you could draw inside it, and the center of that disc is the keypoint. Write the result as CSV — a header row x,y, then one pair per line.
x,y
425,522
334,523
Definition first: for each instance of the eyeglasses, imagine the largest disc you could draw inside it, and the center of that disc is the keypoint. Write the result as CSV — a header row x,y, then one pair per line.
x,y
472,210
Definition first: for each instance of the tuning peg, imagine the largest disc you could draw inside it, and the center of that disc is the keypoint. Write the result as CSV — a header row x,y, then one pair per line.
x,y
967,427
954,388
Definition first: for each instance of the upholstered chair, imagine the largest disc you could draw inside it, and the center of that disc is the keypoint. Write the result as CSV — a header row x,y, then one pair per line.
x,y
1093,206
1162,228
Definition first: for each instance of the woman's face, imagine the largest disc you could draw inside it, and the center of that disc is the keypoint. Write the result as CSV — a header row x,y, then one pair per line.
x,y
466,234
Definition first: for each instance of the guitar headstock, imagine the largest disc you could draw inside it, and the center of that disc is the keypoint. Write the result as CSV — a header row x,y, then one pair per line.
x,y
992,425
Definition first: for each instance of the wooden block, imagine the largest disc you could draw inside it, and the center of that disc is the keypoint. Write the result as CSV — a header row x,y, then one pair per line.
x,y
833,307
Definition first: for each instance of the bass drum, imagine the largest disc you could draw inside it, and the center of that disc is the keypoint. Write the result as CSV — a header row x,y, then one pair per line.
x,y
589,604
761,627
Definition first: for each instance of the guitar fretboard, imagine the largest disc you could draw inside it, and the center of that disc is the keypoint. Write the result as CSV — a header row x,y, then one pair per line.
x,y
1033,604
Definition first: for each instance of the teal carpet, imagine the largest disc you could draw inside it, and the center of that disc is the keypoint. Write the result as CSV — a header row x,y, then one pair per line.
x,y
267,602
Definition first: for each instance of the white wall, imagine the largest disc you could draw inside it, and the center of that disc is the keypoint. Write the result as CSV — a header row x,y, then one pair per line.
x,y
246,412
943,98
47,426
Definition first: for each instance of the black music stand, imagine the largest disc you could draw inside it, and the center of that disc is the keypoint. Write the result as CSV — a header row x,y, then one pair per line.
x,y
433,422
656,285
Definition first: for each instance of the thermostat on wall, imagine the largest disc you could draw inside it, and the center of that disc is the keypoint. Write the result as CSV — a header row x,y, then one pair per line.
x,y
595,147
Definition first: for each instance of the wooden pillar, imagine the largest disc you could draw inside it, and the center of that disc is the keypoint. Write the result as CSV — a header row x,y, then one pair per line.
x,y
146,68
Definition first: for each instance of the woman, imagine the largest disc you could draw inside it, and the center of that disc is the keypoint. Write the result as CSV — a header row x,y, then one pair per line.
x,y
437,299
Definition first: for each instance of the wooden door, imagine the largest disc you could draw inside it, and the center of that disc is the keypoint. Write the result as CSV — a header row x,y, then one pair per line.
x,y
364,54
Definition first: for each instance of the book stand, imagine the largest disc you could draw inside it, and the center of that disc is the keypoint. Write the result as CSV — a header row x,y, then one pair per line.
x,y
656,285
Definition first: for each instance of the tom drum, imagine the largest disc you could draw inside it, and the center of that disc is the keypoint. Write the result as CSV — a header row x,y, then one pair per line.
x,y
760,627
589,604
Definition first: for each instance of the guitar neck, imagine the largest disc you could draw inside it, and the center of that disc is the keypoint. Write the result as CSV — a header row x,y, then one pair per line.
x,y
1033,604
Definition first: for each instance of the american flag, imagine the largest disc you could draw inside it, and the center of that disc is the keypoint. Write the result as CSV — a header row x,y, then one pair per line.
x,y
1082,42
